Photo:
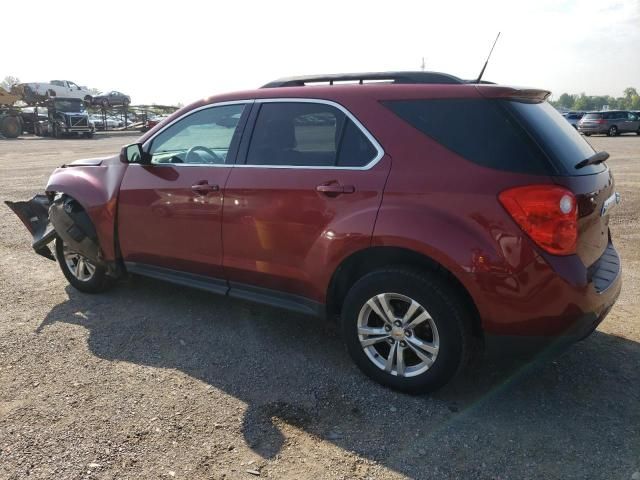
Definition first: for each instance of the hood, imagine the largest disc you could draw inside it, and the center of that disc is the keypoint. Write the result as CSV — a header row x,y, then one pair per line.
x,y
86,162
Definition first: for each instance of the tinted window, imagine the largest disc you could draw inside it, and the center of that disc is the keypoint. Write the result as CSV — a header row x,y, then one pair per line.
x,y
355,148
479,130
204,137
559,140
307,134
593,116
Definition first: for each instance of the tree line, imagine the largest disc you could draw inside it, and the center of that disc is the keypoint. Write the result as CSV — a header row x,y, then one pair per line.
x,y
629,101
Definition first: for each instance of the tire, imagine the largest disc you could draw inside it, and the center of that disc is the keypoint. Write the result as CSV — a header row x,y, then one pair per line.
x,y
51,93
10,126
105,103
88,135
613,131
448,329
587,134
125,102
96,282
88,99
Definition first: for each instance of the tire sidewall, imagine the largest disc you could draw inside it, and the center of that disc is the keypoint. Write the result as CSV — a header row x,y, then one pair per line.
x,y
437,299
96,284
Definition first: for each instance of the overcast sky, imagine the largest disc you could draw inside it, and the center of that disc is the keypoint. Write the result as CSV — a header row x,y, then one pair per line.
x,y
168,52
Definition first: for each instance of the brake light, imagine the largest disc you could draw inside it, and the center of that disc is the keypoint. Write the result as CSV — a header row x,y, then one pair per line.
x,y
601,121
547,213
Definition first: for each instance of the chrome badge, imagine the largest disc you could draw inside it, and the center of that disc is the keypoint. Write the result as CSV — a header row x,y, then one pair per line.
x,y
609,203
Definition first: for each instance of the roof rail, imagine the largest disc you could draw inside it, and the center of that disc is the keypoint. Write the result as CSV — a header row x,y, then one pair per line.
x,y
391,77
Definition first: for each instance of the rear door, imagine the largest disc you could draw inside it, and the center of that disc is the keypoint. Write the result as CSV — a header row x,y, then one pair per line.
x,y
306,191
170,211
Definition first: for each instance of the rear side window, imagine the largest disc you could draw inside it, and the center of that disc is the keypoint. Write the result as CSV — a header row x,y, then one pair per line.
x,y
477,129
593,116
506,135
307,135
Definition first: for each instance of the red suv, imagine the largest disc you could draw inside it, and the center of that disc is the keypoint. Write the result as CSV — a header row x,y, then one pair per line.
x,y
427,213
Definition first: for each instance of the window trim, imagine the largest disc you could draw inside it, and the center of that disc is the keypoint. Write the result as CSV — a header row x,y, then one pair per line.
x,y
247,133
244,147
241,125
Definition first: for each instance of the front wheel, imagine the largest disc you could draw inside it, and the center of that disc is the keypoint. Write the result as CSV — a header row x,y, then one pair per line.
x,y
613,131
405,329
80,272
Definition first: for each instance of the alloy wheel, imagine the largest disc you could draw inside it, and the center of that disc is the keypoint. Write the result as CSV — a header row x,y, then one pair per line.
x,y
78,265
398,335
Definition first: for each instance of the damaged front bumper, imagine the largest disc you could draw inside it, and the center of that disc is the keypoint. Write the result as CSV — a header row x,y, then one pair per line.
x,y
34,214
47,217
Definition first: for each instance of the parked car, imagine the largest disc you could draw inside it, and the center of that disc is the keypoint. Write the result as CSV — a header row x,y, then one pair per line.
x,y
111,99
573,118
36,91
99,122
428,214
612,122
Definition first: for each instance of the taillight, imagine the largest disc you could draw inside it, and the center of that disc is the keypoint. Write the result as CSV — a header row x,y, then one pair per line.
x,y
547,213
601,121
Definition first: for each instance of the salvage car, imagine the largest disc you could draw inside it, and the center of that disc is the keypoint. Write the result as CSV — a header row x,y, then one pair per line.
x,y
428,214
37,91
111,99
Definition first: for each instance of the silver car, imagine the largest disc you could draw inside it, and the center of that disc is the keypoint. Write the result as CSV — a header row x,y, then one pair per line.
x,y
612,122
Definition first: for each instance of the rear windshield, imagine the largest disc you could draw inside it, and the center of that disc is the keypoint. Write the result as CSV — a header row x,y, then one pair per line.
x,y
560,141
505,135
592,116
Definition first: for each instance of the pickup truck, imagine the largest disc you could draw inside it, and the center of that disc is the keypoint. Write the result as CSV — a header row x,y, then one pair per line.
x,y
35,91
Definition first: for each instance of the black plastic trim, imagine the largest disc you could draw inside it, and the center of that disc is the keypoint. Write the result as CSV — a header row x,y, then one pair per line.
x,y
277,299
265,296
605,270
200,282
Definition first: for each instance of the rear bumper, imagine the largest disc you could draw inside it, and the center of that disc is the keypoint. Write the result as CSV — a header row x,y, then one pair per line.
x,y
593,129
558,300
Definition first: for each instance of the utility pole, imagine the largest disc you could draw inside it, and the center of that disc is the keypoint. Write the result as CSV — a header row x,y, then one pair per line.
x,y
423,65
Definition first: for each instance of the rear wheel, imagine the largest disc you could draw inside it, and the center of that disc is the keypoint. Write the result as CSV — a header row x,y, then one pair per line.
x,y
105,103
613,131
407,330
80,272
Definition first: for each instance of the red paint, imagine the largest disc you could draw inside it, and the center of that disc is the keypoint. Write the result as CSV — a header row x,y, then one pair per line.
x,y
272,228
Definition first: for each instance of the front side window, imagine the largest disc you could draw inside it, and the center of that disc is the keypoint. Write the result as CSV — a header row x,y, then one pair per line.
x,y
307,135
202,138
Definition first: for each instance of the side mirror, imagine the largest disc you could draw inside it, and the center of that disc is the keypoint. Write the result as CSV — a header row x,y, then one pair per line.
x,y
134,154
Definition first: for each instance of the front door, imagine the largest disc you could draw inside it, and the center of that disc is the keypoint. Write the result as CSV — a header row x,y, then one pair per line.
x,y
306,194
169,211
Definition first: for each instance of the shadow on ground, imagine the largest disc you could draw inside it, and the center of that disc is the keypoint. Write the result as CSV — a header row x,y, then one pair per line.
x,y
571,415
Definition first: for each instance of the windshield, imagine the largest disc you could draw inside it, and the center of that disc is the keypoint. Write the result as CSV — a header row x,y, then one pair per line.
x,y
70,106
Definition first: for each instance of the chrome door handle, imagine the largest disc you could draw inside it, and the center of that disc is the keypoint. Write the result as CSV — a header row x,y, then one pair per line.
x,y
203,188
335,189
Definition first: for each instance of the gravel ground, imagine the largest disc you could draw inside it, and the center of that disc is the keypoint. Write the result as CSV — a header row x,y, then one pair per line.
x,y
153,381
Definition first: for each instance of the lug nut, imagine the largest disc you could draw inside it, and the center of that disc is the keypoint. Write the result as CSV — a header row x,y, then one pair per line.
x,y
387,328
397,323
403,343
408,333
391,341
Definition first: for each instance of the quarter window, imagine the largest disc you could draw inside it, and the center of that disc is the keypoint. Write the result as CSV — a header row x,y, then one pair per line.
x,y
204,137
307,135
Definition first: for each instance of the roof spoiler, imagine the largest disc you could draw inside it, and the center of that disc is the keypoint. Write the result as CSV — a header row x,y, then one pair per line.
x,y
525,95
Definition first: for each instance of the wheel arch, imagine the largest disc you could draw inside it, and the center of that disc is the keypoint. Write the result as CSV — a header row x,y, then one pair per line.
x,y
358,264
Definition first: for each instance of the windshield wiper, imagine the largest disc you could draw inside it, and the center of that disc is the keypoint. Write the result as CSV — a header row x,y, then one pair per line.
x,y
593,159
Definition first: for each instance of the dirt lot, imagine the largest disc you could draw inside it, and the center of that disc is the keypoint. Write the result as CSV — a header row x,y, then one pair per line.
x,y
157,381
